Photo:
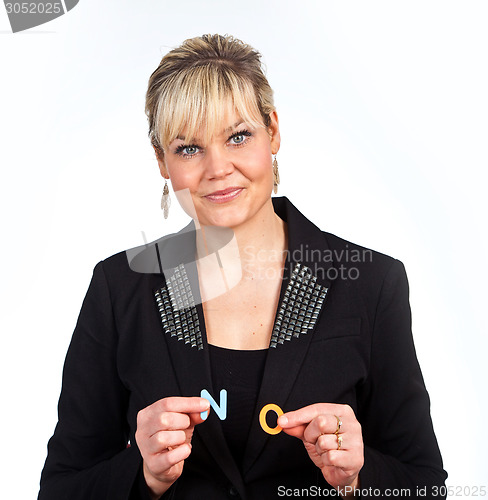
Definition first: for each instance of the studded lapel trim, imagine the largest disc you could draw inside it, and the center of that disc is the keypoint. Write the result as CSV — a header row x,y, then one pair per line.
x,y
300,306
297,314
177,309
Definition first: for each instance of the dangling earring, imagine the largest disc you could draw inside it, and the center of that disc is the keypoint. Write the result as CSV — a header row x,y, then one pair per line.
x,y
276,175
165,200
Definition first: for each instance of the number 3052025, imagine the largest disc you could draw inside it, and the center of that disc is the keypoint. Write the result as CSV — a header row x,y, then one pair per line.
x,y
459,491
34,8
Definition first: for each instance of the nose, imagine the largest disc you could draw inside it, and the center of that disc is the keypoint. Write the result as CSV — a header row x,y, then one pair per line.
x,y
218,163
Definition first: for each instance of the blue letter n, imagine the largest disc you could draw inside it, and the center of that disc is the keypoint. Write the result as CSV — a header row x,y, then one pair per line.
x,y
220,410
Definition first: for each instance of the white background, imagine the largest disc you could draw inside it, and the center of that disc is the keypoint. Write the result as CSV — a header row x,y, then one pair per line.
x,y
383,110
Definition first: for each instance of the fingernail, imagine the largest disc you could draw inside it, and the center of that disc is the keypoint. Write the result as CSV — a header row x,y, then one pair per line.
x,y
283,421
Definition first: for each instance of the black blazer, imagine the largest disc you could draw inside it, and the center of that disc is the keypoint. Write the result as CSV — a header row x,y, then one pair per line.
x,y
342,334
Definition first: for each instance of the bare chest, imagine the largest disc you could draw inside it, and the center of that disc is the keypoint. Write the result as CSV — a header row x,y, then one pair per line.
x,y
243,318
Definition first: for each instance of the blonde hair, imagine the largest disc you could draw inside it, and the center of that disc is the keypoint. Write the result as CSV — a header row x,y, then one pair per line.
x,y
197,83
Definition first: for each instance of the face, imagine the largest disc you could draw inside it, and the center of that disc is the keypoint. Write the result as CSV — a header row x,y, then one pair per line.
x,y
230,179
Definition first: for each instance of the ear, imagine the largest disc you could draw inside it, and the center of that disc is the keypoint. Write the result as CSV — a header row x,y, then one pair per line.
x,y
274,132
162,165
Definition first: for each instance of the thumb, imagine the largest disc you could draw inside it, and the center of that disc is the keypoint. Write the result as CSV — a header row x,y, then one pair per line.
x,y
297,431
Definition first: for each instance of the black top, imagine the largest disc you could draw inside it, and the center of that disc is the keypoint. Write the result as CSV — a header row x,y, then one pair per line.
x,y
239,372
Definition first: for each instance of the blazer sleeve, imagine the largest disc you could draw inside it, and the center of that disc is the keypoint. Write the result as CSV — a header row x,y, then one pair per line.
x,y
401,449
88,455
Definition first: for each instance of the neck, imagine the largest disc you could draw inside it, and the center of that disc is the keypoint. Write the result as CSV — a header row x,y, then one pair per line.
x,y
265,232
225,257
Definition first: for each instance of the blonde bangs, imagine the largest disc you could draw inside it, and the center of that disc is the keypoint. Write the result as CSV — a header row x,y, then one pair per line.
x,y
196,103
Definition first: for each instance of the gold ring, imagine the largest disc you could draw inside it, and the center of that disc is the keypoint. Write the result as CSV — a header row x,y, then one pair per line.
x,y
339,442
339,425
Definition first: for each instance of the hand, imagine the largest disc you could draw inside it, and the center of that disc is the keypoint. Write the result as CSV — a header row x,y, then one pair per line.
x,y
316,426
163,435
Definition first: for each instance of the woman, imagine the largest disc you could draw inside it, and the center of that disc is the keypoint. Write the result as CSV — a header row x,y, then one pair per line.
x,y
250,306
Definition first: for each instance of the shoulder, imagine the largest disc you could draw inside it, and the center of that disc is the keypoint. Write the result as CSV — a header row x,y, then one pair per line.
x,y
364,282
153,257
322,249
345,251
116,264
359,266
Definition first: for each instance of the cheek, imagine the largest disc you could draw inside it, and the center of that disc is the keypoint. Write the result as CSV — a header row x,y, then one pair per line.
x,y
182,179
265,171
259,165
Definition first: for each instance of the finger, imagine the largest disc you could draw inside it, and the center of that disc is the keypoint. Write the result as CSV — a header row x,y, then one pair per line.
x,y
308,413
171,421
295,431
196,418
181,405
328,442
160,463
348,461
150,423
154,418
322,424
160,441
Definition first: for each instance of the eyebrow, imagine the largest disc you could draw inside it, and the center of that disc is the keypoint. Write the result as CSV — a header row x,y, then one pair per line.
x,y
228,129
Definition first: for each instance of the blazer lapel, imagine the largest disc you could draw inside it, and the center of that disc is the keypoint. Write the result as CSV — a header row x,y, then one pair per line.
x,y
179,305
302,298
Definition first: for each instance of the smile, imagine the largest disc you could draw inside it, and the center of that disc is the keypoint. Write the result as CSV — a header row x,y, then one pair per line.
x,y
224,195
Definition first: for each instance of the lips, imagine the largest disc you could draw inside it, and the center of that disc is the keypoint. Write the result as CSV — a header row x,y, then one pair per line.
x,y
224,195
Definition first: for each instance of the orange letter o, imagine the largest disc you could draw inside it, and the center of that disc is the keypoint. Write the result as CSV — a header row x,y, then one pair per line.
x,y
262,418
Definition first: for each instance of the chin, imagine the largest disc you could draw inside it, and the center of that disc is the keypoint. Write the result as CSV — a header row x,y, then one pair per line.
x,y
229,220
230,214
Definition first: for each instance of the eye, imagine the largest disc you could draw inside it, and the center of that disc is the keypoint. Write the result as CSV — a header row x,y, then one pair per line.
x,y
239,137
187,151
190,150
